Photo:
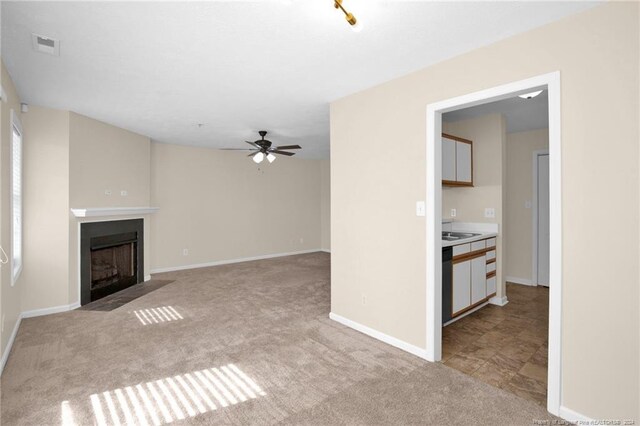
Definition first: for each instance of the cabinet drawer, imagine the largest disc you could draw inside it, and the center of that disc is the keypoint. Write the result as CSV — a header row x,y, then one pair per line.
x,y
491,286
478,245
491,242
491,267
491,254
461,249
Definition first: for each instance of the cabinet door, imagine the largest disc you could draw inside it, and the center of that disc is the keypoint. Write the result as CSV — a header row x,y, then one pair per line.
x,y
463,162
448,159
478,279
461,286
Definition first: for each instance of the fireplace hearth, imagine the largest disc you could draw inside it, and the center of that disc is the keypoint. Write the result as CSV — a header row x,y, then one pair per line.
x,y
111,257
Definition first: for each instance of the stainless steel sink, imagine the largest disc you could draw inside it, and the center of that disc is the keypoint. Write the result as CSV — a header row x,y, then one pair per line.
x,y
454,236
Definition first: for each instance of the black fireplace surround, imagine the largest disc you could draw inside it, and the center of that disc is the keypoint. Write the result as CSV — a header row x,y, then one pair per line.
x,y
111,257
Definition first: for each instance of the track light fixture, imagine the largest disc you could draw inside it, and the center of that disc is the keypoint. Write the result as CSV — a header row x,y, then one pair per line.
x,y
356,26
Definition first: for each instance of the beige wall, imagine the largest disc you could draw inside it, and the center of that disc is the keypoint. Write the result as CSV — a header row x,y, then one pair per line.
x,y
10,296
519,218
46,206
489,138
325,205
104,157
378,243
221,206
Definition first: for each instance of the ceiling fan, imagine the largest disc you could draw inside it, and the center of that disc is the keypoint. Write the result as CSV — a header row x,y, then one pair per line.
x,y
262,149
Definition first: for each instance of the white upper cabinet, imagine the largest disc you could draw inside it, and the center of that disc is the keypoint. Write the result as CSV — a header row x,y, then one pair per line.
x,y
448,159
463,162
457,161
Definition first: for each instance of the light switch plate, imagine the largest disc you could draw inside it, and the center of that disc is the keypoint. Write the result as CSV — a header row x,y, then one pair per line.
x,y
420,208
489,212
454,212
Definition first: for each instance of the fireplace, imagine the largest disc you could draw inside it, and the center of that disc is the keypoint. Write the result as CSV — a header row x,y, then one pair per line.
x,y
111,257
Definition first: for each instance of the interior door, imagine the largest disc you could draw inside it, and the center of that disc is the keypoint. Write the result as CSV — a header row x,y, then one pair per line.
x,y
543,220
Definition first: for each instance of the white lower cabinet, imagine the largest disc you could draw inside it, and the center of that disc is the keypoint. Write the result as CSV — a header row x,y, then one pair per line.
x,y
474,280
461,286
478,279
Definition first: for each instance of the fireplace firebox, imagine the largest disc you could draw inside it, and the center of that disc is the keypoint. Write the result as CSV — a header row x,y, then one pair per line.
x,y
111,257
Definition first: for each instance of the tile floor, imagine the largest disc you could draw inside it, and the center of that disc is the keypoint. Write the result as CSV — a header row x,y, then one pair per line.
x,y
504,346
121,298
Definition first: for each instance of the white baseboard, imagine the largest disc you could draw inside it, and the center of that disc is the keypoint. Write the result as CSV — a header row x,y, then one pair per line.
x,y
500,301
573,416
49,311
229,261
147,278
325,250
400,344
521,281
7,351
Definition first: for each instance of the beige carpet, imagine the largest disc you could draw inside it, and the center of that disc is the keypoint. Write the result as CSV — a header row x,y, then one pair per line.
x,y
248,343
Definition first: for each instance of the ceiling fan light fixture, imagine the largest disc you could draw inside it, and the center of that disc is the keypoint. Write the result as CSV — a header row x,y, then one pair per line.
x,y
258,158
271,157
530,95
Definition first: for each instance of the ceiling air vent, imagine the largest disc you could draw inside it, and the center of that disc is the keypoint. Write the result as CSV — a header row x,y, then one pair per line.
x,y
45,44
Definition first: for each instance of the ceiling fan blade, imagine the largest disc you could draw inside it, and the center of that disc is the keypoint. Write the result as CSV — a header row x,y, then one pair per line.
x,y
253,144
236,149
252,154
289,147
275,151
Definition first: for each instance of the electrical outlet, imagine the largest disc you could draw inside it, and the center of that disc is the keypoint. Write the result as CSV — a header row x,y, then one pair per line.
x,y
124,193
490,212
453,212
527,204
185,252
2,326
364,299
107,192
301,240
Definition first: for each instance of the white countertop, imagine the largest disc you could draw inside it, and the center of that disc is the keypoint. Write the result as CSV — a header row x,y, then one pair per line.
x,y
480,236
484,230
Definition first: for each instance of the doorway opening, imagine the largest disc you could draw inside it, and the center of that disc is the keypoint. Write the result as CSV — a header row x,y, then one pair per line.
x,y
481,250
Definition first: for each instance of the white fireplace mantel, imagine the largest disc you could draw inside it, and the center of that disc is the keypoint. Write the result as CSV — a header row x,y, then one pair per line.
x,y
113,211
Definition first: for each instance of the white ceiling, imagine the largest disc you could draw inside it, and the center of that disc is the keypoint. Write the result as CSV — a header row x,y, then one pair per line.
x,y
159,68
521,114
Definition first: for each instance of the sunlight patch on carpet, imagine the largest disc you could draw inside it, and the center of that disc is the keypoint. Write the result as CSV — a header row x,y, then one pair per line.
x,y
157,315
174,398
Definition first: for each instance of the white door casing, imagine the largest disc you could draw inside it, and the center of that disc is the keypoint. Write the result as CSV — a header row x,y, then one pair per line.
x,y
433,272
542,218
